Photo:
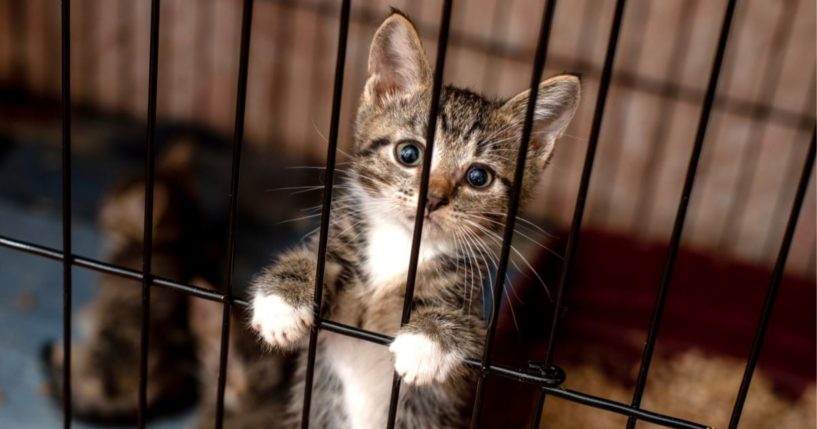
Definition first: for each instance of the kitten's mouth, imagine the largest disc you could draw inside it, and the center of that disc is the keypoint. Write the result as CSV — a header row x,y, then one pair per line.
x,y
429,222
434,227
434,223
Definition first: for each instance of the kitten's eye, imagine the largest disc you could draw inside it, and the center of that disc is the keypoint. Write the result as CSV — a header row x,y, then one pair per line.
x,y
478,177
408,153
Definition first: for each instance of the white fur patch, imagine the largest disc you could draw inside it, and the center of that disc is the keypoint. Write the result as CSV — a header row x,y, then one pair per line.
x,y
279,323
365,370
388,252
420,360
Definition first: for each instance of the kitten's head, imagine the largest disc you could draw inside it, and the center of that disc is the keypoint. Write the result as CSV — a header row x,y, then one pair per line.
x,y
475,145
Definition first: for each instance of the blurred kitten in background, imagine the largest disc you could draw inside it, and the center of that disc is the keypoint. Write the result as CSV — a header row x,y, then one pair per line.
x,y
255,389
105,366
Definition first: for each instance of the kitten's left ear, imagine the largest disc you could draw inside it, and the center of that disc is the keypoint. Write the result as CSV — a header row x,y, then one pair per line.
x,y
397,61
556,103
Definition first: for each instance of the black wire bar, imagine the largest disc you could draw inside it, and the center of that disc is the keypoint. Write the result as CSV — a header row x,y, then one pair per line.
x,y
678,228
647,84
66,210
513,206
238,138
583,48
581,198
774,285
615,137
328,180
544,379
147,245
362,334
106,268
419,217
666,116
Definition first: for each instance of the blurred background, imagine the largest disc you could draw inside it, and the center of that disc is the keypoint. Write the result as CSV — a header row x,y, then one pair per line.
x,y
755,146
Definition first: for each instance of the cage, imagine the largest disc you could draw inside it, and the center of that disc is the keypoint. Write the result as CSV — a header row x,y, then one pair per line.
x,y
681,197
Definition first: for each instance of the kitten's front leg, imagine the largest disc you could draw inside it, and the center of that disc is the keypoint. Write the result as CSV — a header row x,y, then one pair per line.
x,y
434,345
283,296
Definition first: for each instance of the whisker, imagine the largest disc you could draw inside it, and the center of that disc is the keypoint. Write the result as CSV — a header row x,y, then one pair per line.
x,y
519,218
498,239
508,284
531,239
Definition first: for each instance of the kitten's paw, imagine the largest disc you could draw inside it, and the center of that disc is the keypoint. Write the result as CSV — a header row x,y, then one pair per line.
x,y
279,323
420,360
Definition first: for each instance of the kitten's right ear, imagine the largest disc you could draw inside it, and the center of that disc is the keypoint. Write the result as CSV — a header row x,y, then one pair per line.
x,y
397,62
556,103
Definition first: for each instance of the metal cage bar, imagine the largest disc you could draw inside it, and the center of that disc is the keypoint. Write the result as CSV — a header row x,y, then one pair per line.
x,y
238,138
543,379
625,78
513,205
66,210
106,268
678,228
425,172
584,48
147,245
362,334
584,188
774,284
615,137
328,180
666,116
729,73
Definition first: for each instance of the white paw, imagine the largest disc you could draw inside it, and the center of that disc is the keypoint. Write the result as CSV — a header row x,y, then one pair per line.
x,y
279,323
420,360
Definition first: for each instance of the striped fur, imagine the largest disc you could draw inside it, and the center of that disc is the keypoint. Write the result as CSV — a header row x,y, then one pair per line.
x,y
370,237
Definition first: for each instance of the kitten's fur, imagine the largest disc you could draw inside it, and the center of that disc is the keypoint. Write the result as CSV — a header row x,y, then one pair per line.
x,y
105,366
370,240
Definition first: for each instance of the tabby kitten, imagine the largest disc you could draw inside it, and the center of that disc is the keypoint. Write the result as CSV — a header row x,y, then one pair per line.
x,y
370,239
105,365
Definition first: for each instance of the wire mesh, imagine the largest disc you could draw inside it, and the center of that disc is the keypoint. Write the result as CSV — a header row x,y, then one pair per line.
x,y
547,383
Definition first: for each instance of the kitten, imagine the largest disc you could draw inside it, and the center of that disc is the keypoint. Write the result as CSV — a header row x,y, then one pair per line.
x,y
370,239
105,366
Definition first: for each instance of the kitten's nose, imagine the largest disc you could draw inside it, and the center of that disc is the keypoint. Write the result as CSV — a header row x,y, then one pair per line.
x,y
434,202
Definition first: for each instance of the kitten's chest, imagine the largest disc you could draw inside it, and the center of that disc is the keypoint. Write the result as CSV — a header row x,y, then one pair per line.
x,y
364,369
387,252
386,256
373,302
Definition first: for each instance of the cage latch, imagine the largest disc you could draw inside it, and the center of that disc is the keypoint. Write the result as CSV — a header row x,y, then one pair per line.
x,y
553,375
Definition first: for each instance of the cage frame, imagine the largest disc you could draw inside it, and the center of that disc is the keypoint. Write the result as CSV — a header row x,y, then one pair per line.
x,y
545,375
